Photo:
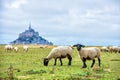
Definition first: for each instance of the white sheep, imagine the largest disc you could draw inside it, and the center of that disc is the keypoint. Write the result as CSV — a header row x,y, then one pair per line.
x,y
59,52
115,49
25,48
43,46
16,49
88,54
104,49
110,49
118,49
8,47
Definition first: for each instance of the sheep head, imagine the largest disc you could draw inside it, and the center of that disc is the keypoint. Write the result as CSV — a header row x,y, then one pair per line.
x,y
46,61
78,46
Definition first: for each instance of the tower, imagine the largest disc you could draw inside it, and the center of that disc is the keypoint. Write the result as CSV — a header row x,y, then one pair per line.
x,y
30,26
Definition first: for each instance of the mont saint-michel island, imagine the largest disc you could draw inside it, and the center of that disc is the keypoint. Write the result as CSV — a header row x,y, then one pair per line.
x,y
30,36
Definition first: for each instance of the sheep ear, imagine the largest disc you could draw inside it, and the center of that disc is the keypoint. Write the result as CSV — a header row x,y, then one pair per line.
x,y
74,45
83,46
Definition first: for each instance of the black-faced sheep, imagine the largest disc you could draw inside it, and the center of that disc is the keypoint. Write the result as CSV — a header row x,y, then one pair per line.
x,y
59,52
88,54
104,49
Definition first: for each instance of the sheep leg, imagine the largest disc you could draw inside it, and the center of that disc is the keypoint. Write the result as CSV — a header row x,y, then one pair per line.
x,y
84,62
70,59
26,50
93,63
61,61
55,61
99,61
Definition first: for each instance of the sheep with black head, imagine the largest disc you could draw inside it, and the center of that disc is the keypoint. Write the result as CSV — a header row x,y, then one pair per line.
x,y
88,54
59,52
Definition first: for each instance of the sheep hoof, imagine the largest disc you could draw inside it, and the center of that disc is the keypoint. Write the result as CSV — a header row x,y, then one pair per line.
x,y
69,64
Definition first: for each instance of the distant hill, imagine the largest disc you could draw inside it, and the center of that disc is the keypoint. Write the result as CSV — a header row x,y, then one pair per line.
x,y
30,37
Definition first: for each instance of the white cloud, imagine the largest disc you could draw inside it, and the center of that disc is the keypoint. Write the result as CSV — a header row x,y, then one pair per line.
x,y
15,4
115,27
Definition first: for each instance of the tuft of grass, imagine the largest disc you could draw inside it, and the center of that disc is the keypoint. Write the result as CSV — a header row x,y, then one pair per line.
x,y
10,73
98,70
52,71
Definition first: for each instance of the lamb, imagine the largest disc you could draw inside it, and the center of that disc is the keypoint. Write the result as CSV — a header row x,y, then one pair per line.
x,y
8,47
25,48
59,52
16,49
88,54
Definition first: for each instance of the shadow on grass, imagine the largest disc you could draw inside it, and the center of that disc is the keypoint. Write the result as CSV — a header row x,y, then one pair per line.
x,y
115,60
35,71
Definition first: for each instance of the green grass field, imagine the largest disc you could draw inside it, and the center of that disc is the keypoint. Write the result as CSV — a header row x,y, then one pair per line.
x,y
29,66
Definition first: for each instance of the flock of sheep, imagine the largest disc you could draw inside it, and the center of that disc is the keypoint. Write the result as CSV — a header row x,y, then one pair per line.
x,y
89,53
111,49
61,52
10,48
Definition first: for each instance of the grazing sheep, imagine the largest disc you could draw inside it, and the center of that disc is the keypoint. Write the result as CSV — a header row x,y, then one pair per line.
x,y
111,50
16,49
118,49
25,48
104,49
88,54
59,52
43,46
8,47
115,49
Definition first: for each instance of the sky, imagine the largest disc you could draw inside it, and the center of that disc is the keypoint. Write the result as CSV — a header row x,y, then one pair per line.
x,y
63,22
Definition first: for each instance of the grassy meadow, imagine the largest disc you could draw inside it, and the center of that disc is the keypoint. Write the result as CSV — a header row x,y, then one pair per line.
x,y
29,66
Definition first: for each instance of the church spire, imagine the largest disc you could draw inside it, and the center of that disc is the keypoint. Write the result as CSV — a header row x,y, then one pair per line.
x,y
30,26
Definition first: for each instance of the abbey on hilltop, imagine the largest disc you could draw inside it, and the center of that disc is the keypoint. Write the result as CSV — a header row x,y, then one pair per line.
x,y
30,36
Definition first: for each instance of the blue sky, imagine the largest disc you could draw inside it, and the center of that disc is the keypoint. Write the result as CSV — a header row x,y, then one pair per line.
x,y
63,22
